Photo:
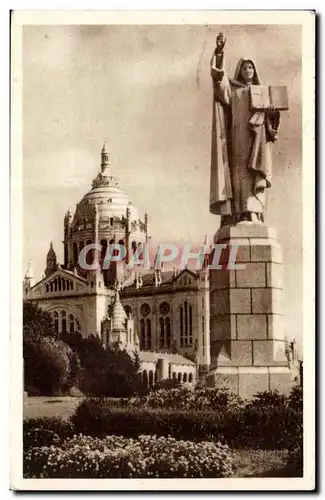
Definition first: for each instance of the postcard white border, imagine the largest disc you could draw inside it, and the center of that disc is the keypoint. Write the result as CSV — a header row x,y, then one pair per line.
x,y
307,20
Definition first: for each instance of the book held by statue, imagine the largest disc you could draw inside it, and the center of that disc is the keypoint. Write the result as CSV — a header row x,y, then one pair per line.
x,y
264,96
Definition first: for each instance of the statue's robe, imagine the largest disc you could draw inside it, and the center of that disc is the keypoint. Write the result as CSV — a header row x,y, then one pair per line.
x,y
241,164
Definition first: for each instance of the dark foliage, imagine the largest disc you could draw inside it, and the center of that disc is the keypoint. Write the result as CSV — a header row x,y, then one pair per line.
x,y
45,431
46,366
261,426
104,371
37,323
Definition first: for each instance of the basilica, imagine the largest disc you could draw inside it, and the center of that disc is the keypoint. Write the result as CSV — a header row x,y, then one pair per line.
x,y
162,315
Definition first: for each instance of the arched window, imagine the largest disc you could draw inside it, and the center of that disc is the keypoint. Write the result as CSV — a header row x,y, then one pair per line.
x,y
55,285
179,377
184,377
56,321
75,253
103,251
162,333
89,254
186,324
63,321
47,288
63,284
78,328
51,286
181,324
168,332
71,323
128,311
148,332
142,335
174,375
190,378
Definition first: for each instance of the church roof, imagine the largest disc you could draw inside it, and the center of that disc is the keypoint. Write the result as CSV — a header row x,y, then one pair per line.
x,y
51,253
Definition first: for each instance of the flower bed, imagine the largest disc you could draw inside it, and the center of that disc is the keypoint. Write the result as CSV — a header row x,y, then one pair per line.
x,y
120,457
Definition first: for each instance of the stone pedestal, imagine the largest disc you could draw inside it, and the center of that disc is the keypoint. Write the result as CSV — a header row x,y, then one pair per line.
x,y
247,330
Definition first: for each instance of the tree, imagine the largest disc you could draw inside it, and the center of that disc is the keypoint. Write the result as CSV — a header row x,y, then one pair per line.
x,y
50,366
37,323
104,371
46,366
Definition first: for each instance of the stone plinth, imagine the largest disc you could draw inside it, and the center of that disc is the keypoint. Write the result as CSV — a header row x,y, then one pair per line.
x,y
247,331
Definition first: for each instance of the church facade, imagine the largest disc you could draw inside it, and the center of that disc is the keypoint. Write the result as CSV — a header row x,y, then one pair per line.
x,y
162,315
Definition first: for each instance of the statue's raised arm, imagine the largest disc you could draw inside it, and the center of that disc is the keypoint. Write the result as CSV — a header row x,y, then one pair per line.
x,y
242,136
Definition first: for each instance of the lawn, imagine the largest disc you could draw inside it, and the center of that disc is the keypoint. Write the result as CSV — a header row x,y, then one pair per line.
x,y
50,406
259,463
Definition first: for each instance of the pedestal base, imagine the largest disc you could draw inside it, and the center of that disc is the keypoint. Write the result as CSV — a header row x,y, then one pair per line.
x,y
248,345
248,381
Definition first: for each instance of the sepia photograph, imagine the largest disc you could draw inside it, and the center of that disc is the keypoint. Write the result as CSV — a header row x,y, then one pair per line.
x,y
162,207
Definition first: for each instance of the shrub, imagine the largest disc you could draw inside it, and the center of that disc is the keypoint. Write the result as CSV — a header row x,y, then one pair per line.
x,y
104,371
119,457
296,398
45,431
46,365
257,426
185,398
166,384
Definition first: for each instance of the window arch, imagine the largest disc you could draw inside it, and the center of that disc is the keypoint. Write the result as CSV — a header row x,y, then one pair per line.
x,y
71,323
186,324
190,378
148,325
145,334
63,321
89,254
179,377
168,332
185,377
75,253
128,310
162,333
142,335
103,251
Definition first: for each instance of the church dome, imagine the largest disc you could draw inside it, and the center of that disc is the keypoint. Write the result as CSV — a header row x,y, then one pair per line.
x,y
105,196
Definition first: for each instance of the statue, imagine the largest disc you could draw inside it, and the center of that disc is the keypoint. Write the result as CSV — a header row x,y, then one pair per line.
x,y
241,163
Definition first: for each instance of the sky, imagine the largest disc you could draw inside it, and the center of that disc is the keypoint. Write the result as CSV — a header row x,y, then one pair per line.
x,y
147,90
